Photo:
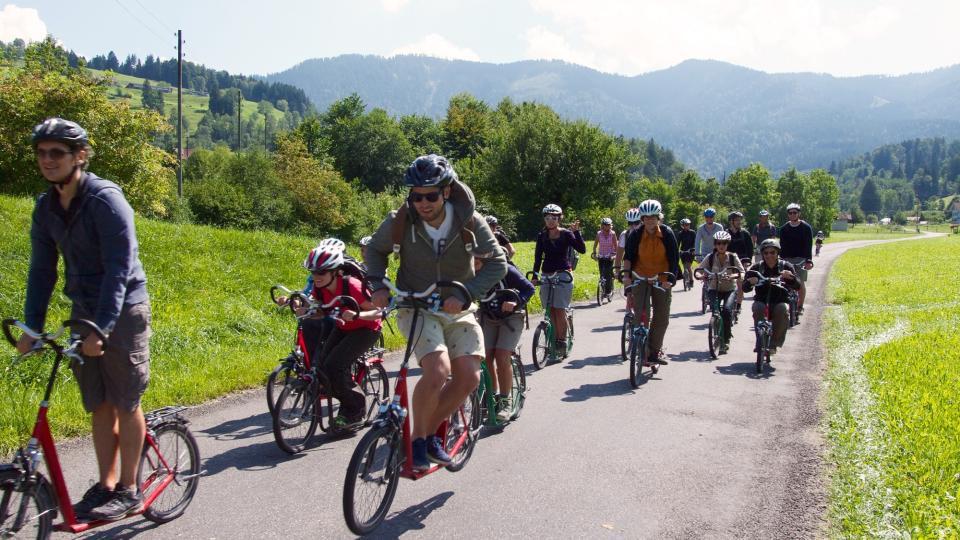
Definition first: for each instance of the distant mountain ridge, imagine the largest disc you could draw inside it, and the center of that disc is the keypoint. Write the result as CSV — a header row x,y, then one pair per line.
x,y
715,116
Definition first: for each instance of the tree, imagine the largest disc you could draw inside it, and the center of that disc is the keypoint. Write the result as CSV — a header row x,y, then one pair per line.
x,y
371,148
825,198
320,195
870,201
749,189
792,189
152,98
466,126
424,135
120,136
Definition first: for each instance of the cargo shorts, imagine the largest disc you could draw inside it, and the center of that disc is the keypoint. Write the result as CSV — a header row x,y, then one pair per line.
x,y
458,335
121,375
503,333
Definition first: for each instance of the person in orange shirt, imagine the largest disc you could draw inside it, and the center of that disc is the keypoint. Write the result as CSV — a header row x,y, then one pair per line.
x,y
649,250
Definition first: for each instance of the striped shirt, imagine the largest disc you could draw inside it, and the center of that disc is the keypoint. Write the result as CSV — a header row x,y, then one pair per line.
x,y
606,244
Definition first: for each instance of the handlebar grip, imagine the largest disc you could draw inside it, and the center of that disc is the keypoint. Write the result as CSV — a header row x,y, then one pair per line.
x,y
458,286
568,280
514,295
699,273
273,292
297,299
531,275
72,323
351,301
7,323
668,275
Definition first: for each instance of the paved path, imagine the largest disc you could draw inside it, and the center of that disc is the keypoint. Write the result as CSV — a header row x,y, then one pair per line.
x,y
705,449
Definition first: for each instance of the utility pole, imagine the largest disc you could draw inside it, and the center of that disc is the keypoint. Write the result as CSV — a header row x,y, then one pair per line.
x,y
239,105
265,147
179,113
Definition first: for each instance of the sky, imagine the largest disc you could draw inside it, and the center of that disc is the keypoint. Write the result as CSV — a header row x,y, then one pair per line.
x,y
628,37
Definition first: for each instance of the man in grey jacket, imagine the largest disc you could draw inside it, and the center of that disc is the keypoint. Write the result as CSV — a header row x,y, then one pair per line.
x,y
703,245
436,235
88,221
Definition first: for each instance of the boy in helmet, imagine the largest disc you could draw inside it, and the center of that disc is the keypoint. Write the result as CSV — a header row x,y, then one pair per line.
x,y
87,220
501,236
431,248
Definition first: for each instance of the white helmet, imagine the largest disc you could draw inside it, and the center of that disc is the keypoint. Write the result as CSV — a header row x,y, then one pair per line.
x,y
793,206
721,236
633,215
606,221
552,209
326,256
366,240
650,207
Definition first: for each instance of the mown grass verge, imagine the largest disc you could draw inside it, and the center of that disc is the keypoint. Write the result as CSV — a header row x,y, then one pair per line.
x,y
893,391
215,329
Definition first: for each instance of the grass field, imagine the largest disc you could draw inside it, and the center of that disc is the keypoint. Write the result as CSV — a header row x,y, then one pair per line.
x,y
893,391
215,330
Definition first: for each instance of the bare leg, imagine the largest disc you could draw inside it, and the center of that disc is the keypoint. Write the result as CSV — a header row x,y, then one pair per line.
x,y
105,441
504,371
559,317
435,368
466,377
133,428
802,294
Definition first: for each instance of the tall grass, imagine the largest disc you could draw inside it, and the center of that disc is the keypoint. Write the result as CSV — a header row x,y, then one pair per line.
x,y
893,392
215,329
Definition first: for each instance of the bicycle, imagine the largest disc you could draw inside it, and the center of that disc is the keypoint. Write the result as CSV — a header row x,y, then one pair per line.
x,y
486,398
819,246
764,327
640,333
385,453
604,284
305,402
295,364
168,473
715,333
544,344
686,257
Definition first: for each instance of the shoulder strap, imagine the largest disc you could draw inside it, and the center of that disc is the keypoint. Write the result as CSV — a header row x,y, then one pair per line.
x,y
399,223
467,235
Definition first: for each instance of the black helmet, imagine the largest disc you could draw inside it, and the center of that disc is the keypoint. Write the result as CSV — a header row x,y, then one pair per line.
x,y
60,130
429,171
735,213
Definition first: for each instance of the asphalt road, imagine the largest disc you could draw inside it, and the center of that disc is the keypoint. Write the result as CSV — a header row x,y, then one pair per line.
x,y
706,448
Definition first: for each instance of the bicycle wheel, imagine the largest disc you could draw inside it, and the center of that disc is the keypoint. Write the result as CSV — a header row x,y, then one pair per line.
x,y
373,475
793,311
637,356
569,334
26,508
541,347
715,335
179,458
277,379
704,304
626,333
761,351
463,421
518,395
375,387
600,292
295,418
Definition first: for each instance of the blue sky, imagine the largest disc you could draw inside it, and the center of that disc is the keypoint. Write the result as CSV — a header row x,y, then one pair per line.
x,y
841,37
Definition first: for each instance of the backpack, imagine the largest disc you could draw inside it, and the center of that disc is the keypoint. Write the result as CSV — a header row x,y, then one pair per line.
x,y
573,256
400,222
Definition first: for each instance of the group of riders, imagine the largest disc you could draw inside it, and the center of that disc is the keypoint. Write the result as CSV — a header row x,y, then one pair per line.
x,y
437,235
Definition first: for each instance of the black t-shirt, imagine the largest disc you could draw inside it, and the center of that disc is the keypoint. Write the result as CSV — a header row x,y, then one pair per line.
x,y
687,238
741,243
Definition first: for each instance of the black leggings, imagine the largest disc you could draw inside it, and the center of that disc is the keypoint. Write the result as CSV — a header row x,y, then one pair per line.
x,y
340,351
315,332
727,301
606,272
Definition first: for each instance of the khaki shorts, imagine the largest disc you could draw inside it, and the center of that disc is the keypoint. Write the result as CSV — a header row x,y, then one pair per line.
x,y
502,333
459,335
121,375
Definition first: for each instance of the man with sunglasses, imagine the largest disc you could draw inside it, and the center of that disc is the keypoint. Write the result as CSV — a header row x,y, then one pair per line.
x,y
796,247
436,235
772,266
87,220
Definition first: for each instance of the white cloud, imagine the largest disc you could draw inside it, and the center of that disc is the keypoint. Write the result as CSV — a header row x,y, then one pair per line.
x,y
840,37
22,23
438,46
393,6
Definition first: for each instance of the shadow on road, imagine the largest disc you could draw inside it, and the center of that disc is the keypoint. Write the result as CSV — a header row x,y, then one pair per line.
x,y
410,519
593,361
686,314
748,370
255,457
123,530
702,326
686,356
607,328
584,392
241,428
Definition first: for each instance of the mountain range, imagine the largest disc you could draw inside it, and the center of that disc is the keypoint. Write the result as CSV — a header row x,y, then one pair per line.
x,y
715,116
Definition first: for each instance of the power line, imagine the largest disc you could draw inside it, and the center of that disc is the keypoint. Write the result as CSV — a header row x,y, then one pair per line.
x,y
163,24
145,25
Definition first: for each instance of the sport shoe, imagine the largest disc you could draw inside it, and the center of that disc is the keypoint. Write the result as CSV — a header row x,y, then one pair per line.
x,y
724,348
504,409
342,422
123,502
435,451
94,497
420,461
657,357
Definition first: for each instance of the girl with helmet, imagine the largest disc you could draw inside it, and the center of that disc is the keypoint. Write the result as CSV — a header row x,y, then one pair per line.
x,y
501,237
605,251
717,262
551,256
650,250
352,335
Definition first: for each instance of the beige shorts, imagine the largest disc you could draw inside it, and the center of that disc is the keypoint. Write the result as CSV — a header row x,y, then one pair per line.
x,y
121,375
503,333
459,335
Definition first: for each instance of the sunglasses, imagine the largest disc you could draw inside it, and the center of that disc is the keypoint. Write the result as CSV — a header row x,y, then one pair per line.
x,y
321,272
551,217
793,211
55,154
419,197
